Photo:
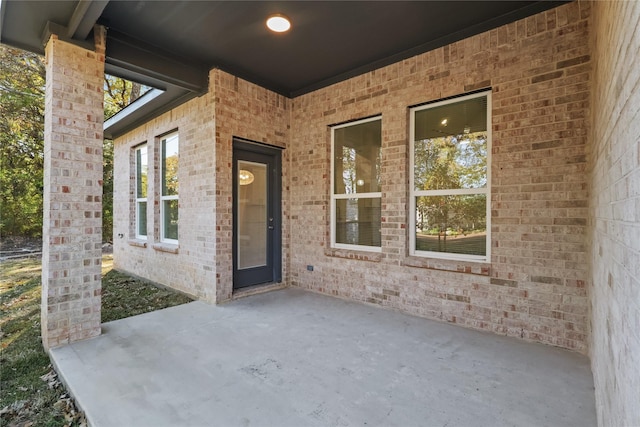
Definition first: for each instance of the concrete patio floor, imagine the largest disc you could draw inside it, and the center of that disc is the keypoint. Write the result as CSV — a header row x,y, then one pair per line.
x,y
294,358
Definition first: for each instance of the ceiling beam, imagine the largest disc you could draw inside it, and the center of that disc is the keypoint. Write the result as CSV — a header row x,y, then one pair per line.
x,y
84,18
135,56
80,24
52,28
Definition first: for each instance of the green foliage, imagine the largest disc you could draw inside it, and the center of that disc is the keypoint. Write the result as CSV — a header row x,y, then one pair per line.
x,y
170,182
22,77
450,163
22,87
118,93
107,191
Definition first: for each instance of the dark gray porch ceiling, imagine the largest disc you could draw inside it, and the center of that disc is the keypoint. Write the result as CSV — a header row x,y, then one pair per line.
x,y
172,44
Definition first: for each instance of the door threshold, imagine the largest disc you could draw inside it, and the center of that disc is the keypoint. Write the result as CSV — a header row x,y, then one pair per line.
x,y
257,289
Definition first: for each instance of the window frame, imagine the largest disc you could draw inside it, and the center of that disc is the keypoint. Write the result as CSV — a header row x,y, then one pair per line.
x,y
139,200
164,197
413,193
346,196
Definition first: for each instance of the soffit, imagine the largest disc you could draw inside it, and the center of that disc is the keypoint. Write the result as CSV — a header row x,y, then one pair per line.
x,y
172,44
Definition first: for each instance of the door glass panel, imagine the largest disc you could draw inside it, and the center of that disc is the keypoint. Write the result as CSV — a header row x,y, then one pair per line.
x,y
252,214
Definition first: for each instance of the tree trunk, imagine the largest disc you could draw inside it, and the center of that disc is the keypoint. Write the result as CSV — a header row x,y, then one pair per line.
x,y
135,91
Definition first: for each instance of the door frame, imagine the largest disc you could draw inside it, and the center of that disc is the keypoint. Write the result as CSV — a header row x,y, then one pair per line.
x,y
275,205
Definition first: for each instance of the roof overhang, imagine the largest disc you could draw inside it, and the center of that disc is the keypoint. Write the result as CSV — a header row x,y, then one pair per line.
x,y
171,45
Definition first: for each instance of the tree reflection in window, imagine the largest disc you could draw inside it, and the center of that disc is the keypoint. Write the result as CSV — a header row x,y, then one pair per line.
x,y
450,177
170,187
356,177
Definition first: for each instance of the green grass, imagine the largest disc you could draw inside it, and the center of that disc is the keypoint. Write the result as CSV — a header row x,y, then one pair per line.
x,y
124,296
25,398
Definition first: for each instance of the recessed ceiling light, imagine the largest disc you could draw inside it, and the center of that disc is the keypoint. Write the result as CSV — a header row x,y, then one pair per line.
x,y
278,23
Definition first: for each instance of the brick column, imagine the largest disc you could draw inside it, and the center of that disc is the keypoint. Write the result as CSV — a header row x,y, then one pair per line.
x,y
72,221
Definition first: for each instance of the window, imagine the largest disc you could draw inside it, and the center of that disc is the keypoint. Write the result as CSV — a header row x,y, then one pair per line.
x,y
355,199
169,196
450,183
141,191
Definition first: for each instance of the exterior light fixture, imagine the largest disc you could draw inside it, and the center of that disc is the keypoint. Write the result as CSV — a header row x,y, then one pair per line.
x,y
278,23
360,182
444,122
245,177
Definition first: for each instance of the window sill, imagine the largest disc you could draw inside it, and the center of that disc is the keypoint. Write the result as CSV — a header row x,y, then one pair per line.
x,y
166,247
137,243
468,267
354,254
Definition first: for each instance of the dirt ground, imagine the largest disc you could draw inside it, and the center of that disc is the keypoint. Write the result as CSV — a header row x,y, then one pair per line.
x,y
17,243
14,247
17,247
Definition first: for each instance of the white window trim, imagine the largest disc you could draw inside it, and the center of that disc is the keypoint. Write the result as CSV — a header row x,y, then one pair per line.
x,y
140,199
335,197
413,193
163,197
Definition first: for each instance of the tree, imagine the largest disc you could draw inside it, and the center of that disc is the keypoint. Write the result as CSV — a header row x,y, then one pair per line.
x,y
449,163
22,81
118,93
107,190
22,87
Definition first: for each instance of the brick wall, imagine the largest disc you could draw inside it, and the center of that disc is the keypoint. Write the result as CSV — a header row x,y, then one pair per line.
x,y
535,286
72,223
251,112
201,264
615,213
189,267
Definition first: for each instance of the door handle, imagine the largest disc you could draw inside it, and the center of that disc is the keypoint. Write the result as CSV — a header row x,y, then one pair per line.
x,y
270,223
